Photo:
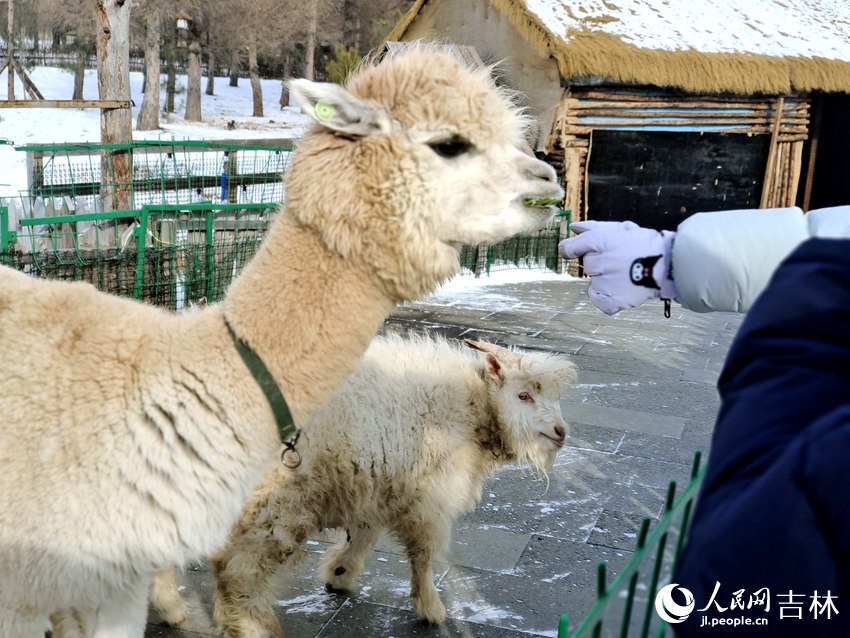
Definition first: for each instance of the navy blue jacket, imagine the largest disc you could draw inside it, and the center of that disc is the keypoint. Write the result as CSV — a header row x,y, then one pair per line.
x,y
774,510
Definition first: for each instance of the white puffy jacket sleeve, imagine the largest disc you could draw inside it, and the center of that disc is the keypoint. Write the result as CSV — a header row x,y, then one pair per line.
x,y
723,260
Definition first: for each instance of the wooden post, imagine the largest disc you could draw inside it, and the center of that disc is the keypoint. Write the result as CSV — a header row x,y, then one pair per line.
x,y
113,83
813,155
767,198
232,170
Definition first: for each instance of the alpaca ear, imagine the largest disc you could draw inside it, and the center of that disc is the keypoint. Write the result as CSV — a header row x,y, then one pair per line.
x,y
337,109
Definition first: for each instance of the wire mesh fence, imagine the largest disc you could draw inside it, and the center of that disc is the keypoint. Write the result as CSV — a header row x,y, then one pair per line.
x,y
86,177
538,251
168,255
173,222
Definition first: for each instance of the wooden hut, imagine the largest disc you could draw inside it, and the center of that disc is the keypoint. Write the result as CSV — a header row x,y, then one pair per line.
x,y
653,110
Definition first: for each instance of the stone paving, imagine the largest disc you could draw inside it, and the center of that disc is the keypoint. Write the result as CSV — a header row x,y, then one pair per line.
x,y
645,401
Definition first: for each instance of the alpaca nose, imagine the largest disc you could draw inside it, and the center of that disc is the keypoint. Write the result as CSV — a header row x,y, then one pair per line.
x,y
541,170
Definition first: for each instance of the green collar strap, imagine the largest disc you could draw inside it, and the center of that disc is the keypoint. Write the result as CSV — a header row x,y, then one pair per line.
x,y
285,422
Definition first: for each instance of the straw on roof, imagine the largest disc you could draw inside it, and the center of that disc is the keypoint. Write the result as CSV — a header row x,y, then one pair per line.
x,y
701,46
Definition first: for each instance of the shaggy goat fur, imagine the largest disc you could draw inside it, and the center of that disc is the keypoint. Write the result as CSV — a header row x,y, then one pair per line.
x,y
404,446
131,436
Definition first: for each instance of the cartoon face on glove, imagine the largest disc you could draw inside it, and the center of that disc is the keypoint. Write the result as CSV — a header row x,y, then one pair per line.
x,y
641,272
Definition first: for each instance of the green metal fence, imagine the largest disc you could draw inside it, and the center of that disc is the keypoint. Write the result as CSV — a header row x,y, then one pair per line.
x,y
85,176
166,254
626,607
171,222
538,251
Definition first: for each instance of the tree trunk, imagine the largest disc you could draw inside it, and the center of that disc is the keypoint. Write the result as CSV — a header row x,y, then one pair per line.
x,y
113,83
193,83
170,81
79,72
148,119
351,25
310,61
210,74
234,67
10,48
254,74
287,73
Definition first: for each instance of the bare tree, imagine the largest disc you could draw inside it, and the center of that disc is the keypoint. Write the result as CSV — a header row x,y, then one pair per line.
x,y
193,79
73,18
148,118
312,27
257,24
113,83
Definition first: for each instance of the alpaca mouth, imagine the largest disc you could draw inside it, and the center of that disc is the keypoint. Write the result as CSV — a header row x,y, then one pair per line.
x,y
541,202
557,441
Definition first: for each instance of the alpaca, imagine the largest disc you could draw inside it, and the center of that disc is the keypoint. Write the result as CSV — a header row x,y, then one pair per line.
x,y
404,445
131,436
164,595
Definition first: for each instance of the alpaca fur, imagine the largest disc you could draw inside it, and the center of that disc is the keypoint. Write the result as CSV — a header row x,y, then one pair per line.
x,y
132,436
404,446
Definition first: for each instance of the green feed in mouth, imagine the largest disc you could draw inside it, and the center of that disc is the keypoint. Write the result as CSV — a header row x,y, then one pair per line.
x,y
535,202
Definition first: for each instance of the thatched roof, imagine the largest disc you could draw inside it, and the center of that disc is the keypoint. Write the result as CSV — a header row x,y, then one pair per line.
x,y
703,46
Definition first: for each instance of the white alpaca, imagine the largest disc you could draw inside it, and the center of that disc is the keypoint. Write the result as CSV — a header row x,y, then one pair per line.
x,y
404,445
130,436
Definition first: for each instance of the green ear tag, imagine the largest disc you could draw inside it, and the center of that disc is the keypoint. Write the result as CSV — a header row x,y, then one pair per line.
x,y
324,111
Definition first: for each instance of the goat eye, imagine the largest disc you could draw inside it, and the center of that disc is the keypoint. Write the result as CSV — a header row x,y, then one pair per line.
x,y
450,148
525,396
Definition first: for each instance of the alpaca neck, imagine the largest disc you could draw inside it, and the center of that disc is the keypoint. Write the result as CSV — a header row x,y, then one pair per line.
x,y
306,312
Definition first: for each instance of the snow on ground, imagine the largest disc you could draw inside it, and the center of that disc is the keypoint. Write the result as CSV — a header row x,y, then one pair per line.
x,y
57,126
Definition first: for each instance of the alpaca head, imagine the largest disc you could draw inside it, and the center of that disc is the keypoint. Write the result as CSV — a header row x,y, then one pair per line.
x,y
525,389
416,156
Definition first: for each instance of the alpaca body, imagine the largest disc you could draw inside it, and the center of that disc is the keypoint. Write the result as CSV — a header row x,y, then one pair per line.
x,y
131,436
403,446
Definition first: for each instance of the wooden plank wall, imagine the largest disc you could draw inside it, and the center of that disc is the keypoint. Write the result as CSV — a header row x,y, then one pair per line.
x,y
585,109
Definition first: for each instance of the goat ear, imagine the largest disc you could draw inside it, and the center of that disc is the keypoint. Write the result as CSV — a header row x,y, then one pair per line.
x,y
505,355
494,369
568,374
337,109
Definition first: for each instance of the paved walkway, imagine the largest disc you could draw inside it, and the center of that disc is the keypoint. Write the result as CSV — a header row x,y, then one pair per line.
x,y
644,403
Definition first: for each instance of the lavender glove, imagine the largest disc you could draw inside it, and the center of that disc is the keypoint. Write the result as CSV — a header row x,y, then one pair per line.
x,y
627,264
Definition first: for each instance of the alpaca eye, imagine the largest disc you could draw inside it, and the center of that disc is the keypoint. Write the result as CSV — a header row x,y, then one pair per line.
x,y
450,148
525,396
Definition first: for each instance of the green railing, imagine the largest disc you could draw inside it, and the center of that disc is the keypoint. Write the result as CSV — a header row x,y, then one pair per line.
x,y
173,221
537,251
89,176
169,255
618,611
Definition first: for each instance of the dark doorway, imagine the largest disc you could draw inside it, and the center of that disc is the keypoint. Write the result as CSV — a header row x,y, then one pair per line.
x,y
826,177
658,179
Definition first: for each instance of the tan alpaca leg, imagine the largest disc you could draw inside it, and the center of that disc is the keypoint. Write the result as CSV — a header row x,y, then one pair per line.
x,y
421,541
72,623
166,598
342,563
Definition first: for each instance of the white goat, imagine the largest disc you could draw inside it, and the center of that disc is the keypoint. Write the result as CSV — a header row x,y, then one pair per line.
x,y
404,446
130,436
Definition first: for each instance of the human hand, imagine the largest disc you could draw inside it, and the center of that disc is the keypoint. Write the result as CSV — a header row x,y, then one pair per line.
x,y
627,264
